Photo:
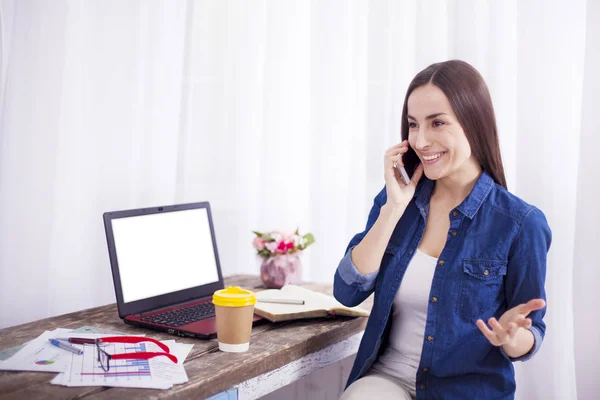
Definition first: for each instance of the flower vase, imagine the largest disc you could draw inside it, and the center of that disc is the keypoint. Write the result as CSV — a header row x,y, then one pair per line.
x,y
281,270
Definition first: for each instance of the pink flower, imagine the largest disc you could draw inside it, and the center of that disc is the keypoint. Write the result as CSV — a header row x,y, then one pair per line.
x,y
284,247
280,247
271,246
258,243
276,236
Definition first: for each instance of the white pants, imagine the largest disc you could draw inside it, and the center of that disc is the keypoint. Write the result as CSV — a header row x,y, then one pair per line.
x,y
377,385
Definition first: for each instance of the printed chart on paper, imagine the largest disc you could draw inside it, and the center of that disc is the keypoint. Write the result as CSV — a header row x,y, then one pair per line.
x,y
86,368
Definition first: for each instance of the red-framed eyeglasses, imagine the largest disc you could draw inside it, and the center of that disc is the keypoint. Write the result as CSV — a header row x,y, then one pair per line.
x,y
105,357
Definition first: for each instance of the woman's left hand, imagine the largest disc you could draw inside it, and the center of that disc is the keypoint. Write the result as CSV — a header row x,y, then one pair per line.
x,y
504,331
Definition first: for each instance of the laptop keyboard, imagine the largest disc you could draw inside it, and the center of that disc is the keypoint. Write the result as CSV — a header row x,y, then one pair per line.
x,y
183,316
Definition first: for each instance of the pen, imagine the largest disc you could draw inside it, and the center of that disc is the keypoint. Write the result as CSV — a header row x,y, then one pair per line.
x,y
65,346
78,340
281,301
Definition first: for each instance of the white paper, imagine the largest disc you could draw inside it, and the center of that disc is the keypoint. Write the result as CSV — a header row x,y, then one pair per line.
x,y
156,373
66,333
164,369
39,355
179,350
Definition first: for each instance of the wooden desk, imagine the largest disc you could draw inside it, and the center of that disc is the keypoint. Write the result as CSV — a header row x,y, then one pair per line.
x,y
274,349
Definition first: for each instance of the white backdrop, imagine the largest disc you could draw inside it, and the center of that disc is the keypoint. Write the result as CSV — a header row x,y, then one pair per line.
x,y
278,113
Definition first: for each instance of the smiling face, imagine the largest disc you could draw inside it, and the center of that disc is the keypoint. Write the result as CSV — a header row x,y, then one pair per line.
x,y
437,137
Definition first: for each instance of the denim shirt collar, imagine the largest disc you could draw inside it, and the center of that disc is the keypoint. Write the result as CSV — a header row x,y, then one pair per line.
x,y
468,207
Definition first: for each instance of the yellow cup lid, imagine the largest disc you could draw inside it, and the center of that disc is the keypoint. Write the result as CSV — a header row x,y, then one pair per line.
x,y
234,296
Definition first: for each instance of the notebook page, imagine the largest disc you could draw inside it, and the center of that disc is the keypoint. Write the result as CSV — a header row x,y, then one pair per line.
x,y
312,301
328,301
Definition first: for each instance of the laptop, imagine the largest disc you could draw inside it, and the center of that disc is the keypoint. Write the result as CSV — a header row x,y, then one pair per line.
x,y
165,268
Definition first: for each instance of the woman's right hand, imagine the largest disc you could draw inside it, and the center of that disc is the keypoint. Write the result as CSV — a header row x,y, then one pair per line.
x,y
398,193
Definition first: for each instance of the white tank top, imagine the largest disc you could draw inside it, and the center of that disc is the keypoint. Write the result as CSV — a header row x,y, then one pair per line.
x,y
409,315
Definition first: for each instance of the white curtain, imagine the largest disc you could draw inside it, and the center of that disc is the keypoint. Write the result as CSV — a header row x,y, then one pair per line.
x,y
278,113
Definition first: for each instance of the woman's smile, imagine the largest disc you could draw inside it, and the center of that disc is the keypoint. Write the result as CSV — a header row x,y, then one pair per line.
x,y
432,158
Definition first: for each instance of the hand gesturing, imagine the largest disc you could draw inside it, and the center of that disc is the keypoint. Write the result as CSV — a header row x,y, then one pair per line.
x,y
504,331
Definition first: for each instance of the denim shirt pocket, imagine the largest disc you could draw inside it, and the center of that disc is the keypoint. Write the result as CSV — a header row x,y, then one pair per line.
x,y
481,288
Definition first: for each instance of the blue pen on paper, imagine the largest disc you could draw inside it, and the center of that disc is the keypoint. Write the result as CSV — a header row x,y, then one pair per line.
x,y
65,346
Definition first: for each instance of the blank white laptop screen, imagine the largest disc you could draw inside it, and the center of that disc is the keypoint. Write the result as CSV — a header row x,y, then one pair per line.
x,y
163,253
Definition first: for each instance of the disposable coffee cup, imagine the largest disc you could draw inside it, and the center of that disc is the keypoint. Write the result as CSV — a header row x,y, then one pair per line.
x,y
234,308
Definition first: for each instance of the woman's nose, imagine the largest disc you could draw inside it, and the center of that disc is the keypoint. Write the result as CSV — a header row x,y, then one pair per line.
x,y
422,141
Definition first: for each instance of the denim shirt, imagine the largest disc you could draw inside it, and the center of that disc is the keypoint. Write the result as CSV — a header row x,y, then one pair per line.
x,y
494,259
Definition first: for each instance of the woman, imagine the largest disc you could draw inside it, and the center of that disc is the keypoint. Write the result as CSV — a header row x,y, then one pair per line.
x,y
457,263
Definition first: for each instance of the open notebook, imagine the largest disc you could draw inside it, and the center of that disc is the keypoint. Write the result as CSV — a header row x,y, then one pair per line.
x,y
315,305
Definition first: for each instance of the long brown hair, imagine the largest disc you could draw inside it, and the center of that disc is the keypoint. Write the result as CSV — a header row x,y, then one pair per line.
x,y
471,102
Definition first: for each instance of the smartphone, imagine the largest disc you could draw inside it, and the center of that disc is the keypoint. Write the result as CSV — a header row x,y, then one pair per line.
x,y
403,173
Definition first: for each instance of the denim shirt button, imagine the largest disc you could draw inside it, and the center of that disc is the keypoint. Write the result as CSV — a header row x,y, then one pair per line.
x,y
425,369
422,387
455,213
441,263
430,338
453,233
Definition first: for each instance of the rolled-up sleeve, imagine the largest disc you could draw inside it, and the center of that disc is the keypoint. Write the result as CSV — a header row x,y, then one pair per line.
x,y
526,274
352,276
350,287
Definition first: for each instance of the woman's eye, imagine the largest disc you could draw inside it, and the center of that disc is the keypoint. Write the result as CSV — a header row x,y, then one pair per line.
x,y
412,125
438,123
